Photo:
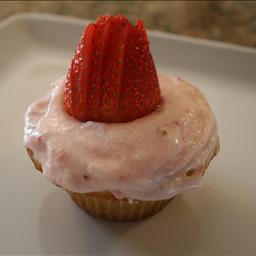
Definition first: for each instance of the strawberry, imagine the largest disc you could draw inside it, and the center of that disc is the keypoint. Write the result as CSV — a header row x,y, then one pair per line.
x,y
112,76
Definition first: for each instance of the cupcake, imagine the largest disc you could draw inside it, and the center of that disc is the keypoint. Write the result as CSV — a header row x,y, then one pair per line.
x,y
119,137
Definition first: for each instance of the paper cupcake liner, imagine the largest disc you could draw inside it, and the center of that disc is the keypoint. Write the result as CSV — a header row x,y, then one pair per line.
x,y
105,206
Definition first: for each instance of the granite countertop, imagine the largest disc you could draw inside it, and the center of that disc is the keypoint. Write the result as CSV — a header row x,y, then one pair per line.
x,y
228,21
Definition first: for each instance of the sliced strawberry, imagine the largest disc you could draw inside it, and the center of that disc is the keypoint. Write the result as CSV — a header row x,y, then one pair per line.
x,y
112,77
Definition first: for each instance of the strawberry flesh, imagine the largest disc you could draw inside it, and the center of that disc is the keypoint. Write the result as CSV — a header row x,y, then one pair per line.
x,y
112,77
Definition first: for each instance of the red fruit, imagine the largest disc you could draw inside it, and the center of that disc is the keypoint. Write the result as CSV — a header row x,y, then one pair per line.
x,y
112,77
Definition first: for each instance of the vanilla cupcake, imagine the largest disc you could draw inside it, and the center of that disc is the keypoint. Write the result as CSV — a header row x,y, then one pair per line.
x,y
119,137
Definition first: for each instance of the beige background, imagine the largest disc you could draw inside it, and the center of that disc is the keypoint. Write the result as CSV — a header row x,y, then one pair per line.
x,y
228,21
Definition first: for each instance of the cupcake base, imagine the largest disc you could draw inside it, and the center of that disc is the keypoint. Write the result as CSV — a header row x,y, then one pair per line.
x,y
104,205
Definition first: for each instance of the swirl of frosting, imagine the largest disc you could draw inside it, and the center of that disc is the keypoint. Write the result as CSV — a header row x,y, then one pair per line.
x,y
151,158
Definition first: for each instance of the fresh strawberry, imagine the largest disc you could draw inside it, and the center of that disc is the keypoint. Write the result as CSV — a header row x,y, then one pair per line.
x,y
112,77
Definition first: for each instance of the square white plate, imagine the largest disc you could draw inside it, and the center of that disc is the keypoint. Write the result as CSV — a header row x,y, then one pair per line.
x,y
38,218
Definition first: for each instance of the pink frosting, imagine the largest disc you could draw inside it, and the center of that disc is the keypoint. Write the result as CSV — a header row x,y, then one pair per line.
x,y
146,159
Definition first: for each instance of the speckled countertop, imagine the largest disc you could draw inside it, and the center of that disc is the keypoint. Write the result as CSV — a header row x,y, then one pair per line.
x,y
228,21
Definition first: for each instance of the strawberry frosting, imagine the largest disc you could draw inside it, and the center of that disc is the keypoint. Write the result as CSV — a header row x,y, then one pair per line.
x,y
151,158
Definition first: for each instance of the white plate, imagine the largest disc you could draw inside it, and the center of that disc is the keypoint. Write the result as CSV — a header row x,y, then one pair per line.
x,y
38,218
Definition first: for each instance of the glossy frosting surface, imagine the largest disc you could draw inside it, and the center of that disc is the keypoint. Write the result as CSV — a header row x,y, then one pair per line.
x,y
150,158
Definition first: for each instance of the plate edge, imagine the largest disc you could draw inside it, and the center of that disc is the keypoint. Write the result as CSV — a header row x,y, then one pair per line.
x,y
155,33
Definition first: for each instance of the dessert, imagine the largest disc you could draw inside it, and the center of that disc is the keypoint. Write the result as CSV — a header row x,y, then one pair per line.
x,y
119,137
